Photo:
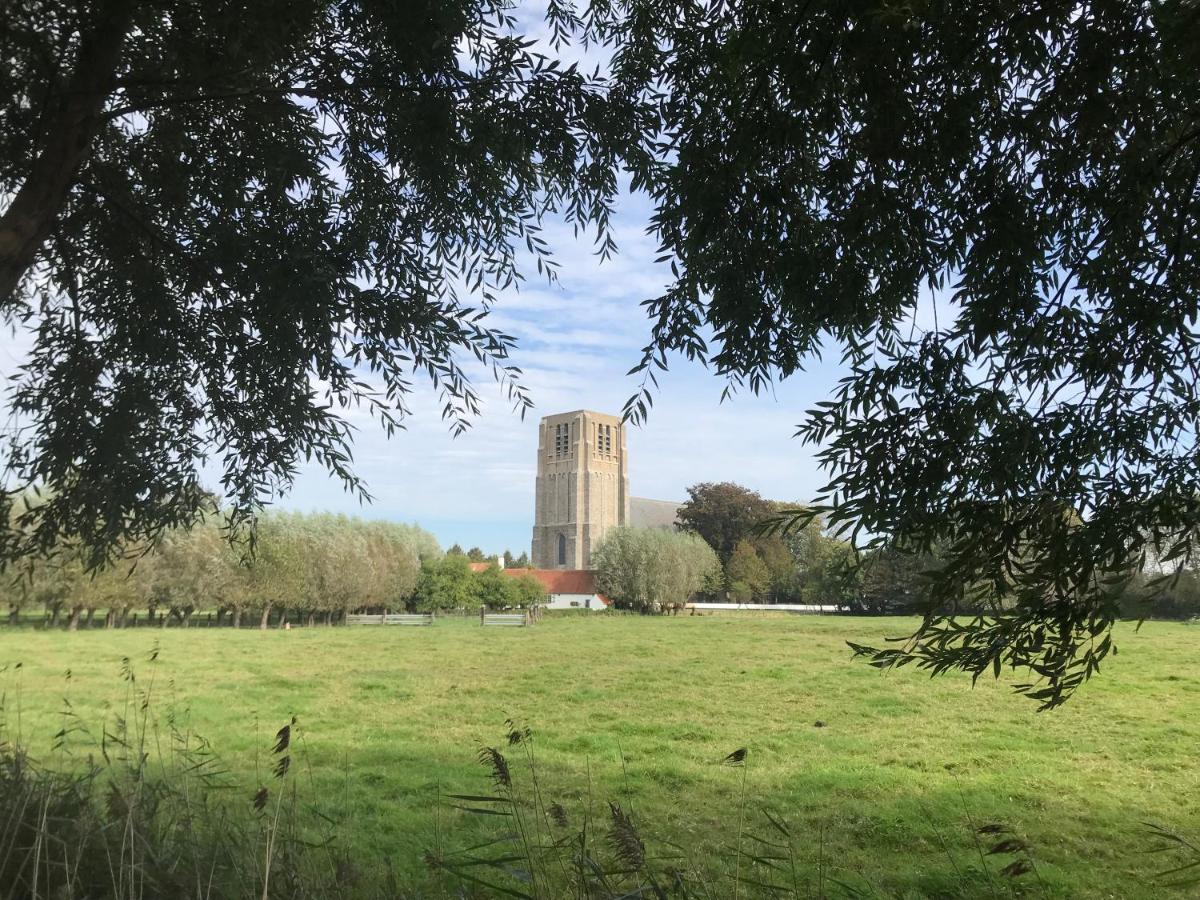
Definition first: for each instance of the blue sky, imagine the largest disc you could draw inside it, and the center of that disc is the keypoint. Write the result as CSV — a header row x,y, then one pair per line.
x,y
577,340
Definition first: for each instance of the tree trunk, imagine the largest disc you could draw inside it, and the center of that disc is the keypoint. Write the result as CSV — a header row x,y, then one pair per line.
x,y
122,614
266,617
237,617
73,622
109,619
54,615
91,614
14,615
73,117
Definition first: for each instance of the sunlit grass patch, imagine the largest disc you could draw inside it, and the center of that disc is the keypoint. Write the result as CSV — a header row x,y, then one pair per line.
x,y
890,770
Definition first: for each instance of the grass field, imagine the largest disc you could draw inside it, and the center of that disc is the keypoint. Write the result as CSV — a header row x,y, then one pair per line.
x,y
889,787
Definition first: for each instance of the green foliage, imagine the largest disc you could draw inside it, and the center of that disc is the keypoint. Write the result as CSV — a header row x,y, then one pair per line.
x,y
1176,598
828,571
192,569
723,514
645,568
745,573
526,590
446,583
450,583
894,583
879,790
782,567
313,564
803,565
226,224
493,589
990,210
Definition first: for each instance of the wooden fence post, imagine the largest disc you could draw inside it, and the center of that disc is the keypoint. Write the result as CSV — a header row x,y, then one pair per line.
x,y
482,613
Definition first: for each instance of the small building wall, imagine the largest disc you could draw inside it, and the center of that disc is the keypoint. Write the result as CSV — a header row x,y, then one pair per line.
x,y
575,601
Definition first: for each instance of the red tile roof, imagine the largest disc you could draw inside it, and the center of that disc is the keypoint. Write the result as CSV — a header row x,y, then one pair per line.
x,y
563,581
480,567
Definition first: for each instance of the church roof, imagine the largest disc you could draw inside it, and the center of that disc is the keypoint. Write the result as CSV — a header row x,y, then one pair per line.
x,y
563,581
647,513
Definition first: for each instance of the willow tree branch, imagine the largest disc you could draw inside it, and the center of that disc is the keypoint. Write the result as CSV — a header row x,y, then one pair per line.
x,y
72,121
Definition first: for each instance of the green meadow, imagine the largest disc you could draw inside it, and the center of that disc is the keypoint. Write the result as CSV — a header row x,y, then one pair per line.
x,y
882,777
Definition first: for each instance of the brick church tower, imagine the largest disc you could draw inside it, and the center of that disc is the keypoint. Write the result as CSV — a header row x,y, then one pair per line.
x,y
582,487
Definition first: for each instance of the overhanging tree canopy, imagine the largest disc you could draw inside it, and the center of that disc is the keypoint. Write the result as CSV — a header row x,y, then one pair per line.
x,y
220,215
1033,171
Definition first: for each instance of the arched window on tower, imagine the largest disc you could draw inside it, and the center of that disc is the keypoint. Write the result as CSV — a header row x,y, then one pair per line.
x,y
562,549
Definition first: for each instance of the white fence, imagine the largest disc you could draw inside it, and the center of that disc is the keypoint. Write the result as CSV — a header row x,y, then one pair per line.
x,y
390,619
798,608
512,620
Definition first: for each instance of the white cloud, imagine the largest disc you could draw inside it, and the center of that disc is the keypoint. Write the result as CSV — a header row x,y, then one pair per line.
x,y
577,341
578,338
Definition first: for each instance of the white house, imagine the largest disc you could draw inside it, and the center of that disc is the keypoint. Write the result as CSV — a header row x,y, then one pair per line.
x,y
566,588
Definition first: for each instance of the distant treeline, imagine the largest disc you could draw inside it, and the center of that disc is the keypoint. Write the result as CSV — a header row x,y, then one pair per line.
x,y
887,582
312,567
319,566
809,565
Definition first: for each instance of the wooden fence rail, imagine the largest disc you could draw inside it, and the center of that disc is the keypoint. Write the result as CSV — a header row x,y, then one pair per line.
x,y
390,619
510,620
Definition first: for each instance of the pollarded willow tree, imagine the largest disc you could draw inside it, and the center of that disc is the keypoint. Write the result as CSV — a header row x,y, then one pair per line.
x,y
228,222
991,210
646,568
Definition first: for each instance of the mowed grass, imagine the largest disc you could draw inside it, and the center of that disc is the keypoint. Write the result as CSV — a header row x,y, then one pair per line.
x,y
644,710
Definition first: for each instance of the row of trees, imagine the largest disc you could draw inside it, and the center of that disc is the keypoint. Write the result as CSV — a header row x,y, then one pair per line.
x,y
891,582
318,566
809,565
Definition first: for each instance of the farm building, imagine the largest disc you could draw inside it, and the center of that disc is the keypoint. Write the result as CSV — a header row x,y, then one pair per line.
x,y
567,588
